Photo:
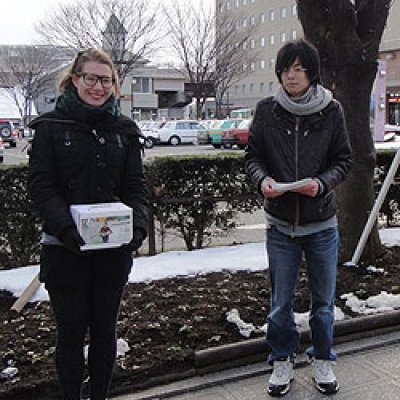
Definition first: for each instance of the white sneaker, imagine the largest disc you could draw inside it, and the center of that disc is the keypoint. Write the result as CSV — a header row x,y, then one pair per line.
x,y
282,375
325,379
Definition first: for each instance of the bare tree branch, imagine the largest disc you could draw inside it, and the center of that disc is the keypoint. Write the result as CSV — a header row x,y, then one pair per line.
x,y
28,69
83,24
211,63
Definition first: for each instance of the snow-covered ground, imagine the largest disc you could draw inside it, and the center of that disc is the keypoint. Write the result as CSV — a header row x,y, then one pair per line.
x,y
250,257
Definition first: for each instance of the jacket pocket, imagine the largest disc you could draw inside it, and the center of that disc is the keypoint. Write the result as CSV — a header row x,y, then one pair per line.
x,y
327,206
116,151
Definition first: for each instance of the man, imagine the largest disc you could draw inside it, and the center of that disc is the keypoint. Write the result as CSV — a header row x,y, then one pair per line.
x,y
300,135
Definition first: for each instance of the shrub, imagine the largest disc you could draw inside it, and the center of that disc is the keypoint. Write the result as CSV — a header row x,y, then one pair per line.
x,y
199,196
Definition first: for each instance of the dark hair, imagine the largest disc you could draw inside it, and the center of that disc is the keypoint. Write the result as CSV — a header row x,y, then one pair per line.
x,y
76,66
307,55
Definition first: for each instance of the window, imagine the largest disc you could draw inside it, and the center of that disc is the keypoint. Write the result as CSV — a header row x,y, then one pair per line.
x,y
252,43
272,39
144,85
262,41
270,86
294,10
236,90
294,34
228,5
262,18
182,125
283,12
262,87
253,66
244,2
252,20
244,24
271,63
283,37
251,88
262,64
237,3
244,89
272,15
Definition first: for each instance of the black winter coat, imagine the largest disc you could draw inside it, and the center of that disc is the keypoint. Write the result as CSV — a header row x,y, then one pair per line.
x,y
74,163
287,148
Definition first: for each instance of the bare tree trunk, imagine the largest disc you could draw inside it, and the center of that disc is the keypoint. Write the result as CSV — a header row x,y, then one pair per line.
x,y
347,37
356,195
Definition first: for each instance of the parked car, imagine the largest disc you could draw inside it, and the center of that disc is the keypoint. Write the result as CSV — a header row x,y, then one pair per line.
x,y
150,130
19,129
180,131
391,131
1,150
203,137
236,136
8,133
216,130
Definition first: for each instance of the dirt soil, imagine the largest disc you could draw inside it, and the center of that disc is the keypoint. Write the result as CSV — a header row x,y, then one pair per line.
x,y
165,322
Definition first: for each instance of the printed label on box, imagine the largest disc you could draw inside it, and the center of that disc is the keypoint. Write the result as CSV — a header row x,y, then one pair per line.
x,y
103,225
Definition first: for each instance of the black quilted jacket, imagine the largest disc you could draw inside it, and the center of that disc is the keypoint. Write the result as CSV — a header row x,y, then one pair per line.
x,y
288,148
74,163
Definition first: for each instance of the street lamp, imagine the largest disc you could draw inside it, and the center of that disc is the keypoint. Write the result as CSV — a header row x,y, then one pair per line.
x,y
133,83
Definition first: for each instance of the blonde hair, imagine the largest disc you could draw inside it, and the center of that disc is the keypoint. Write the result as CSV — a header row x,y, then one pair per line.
x,y
76,66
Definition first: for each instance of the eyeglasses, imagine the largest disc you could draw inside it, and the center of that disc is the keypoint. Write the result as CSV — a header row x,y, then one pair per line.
x,y
297,70
91,80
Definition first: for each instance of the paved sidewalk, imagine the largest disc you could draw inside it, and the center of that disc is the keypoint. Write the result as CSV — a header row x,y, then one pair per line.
x,y
367,369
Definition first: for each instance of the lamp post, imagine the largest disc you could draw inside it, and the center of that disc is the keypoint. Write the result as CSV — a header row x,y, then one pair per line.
x,y
133,83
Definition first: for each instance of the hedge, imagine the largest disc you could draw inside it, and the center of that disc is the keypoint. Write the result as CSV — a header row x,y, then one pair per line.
x,y
196,196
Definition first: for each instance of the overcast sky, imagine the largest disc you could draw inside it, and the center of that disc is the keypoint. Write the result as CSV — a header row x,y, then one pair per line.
x,y
18,18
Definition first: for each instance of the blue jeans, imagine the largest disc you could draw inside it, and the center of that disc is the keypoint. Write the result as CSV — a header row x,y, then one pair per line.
x,y
285,256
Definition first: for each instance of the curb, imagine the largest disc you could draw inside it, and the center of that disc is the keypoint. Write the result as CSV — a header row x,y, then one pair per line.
x,y
202,382
255,350
228,362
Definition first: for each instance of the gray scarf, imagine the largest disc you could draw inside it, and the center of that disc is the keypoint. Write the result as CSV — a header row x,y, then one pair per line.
x,y
314,100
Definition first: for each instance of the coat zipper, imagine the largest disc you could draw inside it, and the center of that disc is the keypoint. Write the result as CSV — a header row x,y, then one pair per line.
x,y
296,156
100,139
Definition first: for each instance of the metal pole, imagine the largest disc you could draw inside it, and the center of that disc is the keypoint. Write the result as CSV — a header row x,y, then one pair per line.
x,y
132,116
374,213
152,234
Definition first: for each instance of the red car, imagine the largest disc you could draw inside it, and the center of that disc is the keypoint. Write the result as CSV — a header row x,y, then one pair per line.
x,y
236,136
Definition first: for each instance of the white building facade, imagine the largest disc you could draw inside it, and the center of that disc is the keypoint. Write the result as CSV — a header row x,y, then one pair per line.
x,y
278,23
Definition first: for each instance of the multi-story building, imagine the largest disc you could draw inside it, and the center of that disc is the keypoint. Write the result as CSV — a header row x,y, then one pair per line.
x,y
152,92
278,23
390,53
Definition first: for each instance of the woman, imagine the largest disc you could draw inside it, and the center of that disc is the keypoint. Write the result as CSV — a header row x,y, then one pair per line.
x,y
85,152
300,135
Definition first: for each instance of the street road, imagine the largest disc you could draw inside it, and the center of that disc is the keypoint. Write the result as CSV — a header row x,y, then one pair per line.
x,y
18,154
15,155
183,149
